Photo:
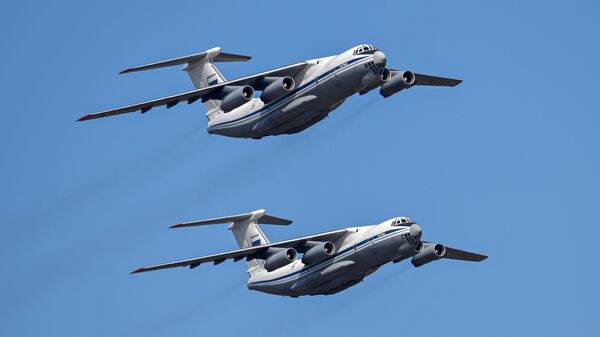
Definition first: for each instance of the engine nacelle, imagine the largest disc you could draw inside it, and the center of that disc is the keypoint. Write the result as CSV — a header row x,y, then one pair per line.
x,y
400,81
429,253
280,257
419,247
318,252
278,87
236,97
386,75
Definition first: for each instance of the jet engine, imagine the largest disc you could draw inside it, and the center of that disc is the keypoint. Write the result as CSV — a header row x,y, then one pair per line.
x,y
279,258
402,80
278,87
236,97
429,253
318,252
386,75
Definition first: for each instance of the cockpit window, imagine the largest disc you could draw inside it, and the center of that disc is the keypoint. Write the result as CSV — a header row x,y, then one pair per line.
x,y
403,221
365,49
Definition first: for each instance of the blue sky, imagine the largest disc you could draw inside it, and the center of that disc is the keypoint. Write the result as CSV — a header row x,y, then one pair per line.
x,y
505,164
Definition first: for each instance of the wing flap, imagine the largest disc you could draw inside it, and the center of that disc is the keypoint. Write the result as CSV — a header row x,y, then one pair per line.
x,y
143,107
194,95
195,262
240,254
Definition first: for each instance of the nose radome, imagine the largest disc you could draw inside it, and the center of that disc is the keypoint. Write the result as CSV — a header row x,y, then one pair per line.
x,y
415,230
379,58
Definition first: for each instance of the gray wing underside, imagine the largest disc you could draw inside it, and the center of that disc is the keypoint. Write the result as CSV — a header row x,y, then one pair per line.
x,y
427,80
194,95
457,254
435,81
246,253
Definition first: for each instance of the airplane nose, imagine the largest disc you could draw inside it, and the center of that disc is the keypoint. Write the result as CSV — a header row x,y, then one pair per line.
x,y
379,58
415,230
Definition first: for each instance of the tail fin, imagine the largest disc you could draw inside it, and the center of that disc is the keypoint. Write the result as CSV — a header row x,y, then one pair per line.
x,y
200,68
245,228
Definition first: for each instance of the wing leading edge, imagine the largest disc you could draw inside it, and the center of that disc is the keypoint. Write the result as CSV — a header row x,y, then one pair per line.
x,y
428,80
457,254
210,92
245,253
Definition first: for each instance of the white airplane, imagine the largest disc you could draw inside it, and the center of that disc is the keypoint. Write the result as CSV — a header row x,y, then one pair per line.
x,y
292,98
330,262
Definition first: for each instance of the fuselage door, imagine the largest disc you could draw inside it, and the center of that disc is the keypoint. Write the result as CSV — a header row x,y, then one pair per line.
x,y
372,245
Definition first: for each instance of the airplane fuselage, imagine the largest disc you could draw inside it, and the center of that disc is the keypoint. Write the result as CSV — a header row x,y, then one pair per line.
x,y
321,87
359,253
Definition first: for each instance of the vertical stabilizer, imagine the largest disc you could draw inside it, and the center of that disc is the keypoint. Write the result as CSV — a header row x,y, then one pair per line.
x,y
245,229
204,73
200,67
247,233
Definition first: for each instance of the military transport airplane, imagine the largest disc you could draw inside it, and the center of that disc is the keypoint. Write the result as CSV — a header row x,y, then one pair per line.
x,y
292,98
330,262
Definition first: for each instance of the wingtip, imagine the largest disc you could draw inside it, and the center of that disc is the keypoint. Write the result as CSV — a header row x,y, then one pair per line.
x,y
83,118
125,71
139,270
176,226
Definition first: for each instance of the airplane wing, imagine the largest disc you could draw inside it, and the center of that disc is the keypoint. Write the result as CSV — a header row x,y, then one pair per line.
x,y
246,253
427,80
421,79
211,92
457,254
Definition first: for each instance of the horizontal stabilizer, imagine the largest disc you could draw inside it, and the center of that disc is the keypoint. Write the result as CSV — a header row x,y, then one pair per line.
x,y
228,57
213,54
259,216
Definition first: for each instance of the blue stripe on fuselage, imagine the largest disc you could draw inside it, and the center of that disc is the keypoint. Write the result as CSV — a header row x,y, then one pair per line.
x,y
310,268
281,99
